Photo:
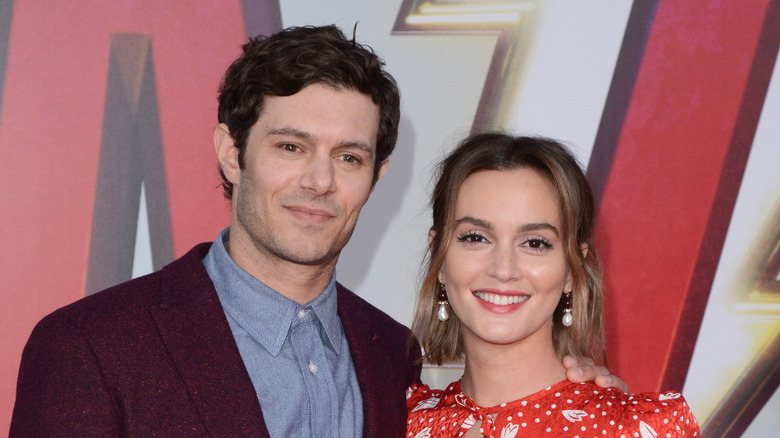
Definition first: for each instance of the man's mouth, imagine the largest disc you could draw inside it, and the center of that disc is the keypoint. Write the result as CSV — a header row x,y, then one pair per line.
x,y
315,214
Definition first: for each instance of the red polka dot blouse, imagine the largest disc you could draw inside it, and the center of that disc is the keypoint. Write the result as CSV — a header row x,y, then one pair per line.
x,y
565,409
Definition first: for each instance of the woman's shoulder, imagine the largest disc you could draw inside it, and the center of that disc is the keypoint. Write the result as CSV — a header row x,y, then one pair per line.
x,y
656,412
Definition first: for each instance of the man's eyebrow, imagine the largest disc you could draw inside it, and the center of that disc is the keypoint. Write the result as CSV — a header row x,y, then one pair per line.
x,y
291,131
308,137
360,145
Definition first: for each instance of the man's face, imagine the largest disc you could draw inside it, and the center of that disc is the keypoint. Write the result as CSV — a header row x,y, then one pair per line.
x,y
308,171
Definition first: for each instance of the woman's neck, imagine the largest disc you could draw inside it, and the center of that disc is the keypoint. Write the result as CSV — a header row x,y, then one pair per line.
x,y
496,374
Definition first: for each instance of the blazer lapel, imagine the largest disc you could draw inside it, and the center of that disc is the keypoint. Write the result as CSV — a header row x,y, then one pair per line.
x,y
365,356
197,335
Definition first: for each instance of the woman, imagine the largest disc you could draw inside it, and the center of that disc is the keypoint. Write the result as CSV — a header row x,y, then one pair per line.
x,y
513,284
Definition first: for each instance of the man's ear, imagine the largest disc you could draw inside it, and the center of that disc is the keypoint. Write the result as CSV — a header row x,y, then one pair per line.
x,y
382,170
227,153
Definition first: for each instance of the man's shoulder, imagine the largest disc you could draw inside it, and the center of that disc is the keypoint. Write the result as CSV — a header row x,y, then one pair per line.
x,y
127,299
354,307
377,341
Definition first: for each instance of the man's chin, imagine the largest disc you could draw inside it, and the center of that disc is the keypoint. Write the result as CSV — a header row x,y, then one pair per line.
x,y
309,256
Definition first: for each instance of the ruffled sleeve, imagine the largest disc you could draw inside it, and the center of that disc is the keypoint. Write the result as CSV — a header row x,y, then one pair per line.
x,y
420,396
662,414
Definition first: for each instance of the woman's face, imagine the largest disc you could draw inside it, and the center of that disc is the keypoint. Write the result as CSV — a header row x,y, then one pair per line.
x,y
505,269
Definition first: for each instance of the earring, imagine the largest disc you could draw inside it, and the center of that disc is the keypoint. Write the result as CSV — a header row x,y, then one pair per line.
x,y
567,318
443,315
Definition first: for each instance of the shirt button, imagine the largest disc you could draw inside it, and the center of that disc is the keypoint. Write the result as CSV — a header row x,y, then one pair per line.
x,y
312,368
301,313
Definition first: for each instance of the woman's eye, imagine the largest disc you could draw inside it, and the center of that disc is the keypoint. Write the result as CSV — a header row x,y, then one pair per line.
x,y
538,244
471,238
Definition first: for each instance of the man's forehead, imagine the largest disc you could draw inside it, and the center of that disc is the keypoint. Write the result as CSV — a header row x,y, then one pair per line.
x,y
316,108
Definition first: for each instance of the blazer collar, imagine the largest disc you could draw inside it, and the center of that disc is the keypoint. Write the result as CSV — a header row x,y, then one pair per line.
x,y
362,338
193,326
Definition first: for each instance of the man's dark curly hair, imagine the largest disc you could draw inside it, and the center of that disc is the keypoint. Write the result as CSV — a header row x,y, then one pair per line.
x,y
286,62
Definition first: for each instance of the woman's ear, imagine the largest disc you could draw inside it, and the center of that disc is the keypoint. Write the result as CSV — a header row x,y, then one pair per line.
x,y
567,286
431,236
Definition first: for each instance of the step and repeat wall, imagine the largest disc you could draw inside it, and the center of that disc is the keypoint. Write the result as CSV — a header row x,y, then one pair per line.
x,y
107,169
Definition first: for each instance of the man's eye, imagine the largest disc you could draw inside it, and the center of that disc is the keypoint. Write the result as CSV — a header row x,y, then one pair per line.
x,y
289,147
351,159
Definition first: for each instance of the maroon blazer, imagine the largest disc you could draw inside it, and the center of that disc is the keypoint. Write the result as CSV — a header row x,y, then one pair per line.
x,y
155,357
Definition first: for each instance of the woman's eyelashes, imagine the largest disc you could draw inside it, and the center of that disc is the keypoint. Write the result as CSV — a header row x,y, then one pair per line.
x,y
472,237
535,244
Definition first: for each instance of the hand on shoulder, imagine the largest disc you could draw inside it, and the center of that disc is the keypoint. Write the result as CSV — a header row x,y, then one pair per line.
x,y
584,369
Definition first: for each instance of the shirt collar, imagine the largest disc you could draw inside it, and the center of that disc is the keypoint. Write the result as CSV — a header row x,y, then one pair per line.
x,y
260,310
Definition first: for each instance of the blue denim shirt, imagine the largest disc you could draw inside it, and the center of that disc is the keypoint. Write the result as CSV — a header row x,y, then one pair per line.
x,y
297,355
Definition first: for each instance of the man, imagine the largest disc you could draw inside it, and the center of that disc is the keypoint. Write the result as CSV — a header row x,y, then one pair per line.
x,y
251,335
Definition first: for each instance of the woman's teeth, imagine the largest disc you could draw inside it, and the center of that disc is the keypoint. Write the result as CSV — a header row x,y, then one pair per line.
x,y
501,300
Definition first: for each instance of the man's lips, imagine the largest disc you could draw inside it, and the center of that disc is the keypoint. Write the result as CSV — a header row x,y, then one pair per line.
x,y
310,214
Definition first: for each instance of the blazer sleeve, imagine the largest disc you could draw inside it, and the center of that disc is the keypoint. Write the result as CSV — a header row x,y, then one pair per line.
x,y
61,390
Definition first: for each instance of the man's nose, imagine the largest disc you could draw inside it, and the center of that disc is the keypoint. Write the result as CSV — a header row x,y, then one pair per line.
x,y
318,175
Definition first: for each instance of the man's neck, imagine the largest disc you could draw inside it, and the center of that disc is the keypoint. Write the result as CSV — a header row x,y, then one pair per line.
x,y
300,283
